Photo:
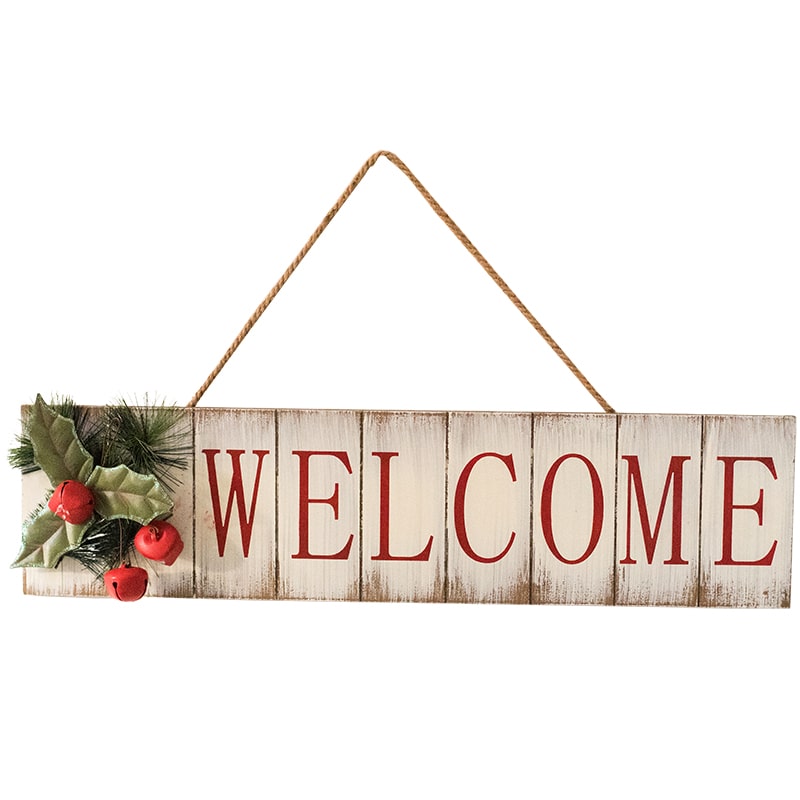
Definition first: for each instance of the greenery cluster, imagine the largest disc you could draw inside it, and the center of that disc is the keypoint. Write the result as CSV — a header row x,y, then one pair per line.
x,y
150,439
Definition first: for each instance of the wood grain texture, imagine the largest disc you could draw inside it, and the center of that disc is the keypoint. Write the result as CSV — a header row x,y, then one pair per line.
x,y
748,489
574,461
404,504
319,465
489,502
658,509
235,503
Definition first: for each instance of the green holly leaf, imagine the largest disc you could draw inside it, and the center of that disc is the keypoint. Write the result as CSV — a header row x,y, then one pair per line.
x,y
46,538
56,447
121,493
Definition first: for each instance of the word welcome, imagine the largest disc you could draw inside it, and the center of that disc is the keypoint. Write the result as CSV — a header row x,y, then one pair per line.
x,y
636,503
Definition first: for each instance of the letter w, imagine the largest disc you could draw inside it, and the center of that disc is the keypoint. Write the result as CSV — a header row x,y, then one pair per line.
x,y
236,493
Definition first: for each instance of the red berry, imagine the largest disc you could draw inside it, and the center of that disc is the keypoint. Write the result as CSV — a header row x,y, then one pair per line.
x,y
73,502
126,583
159,541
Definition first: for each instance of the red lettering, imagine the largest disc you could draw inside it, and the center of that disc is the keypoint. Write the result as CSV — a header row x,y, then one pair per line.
x,y
728,507
236,493
383,550
547,509
650,534
458,507
303,550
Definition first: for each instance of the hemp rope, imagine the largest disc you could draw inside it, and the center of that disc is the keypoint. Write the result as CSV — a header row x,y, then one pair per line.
x,y
457,232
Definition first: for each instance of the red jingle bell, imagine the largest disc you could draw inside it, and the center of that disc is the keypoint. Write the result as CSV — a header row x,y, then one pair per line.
x,y
159,541
73,502
126,583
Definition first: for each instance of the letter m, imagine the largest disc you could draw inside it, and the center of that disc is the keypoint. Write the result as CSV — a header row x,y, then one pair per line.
x,y
649,532
236,495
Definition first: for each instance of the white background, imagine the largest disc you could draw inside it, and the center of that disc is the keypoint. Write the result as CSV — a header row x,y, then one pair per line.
x,y
630,168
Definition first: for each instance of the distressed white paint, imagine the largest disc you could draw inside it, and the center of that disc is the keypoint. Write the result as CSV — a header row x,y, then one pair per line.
x,y
654,443
333,504
490,455
763,516
243,440
587,443
414,506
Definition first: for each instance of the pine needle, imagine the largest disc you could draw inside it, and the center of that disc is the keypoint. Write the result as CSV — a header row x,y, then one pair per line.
x,y
150,439
105,545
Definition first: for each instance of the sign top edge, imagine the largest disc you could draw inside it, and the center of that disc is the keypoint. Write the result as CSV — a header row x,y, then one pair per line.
x,y
216,409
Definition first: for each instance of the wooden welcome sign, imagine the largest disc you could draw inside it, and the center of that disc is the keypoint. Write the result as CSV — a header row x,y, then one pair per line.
x,y
450,506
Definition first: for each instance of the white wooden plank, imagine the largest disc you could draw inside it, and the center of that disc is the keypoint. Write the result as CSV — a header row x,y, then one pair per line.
x,y
746,530
489,507
573,498
658,509
404,506
177,579
319,537
235,554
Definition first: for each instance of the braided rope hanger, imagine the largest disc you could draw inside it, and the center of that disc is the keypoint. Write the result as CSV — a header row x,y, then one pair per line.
x,y
455,230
